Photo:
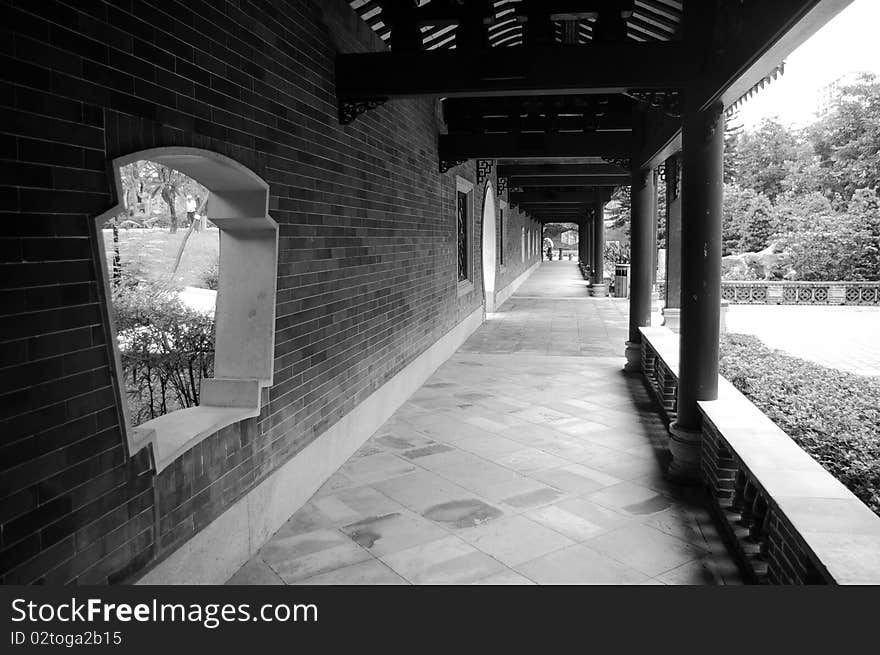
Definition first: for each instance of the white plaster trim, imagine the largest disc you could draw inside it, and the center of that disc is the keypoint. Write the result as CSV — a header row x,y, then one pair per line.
x,y
505,293
214,554
245,316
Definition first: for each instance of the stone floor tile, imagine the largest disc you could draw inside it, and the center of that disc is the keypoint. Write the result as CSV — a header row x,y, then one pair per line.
x,y
420,490
445,561
354,504
389,533
371,572
508,577
303,556
576,478
255,572
577,518
631,499
461,514
375,467
530,459
515,539
645,548
579,564
307,519
694,572
488,447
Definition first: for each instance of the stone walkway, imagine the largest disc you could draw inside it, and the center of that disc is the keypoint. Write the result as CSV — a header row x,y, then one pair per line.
x,y
529,457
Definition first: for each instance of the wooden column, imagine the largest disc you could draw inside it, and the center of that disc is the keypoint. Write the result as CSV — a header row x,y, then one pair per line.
x,y
654,226
672,301
582,241
588,247
599,287
703,148
641,262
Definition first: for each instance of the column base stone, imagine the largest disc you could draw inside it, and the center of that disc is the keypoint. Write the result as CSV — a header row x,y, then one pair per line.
x,y
672,318
684,446
599,290
633,357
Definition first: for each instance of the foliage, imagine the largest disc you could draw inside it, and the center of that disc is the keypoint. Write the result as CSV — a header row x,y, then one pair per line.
x,y
165,347
748,222
847,140
762,157
143,182
211,277
617,253
831,414
813,191
733,131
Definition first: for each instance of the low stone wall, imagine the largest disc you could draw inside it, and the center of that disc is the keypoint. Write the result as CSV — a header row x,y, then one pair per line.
x,y
786,519
801,293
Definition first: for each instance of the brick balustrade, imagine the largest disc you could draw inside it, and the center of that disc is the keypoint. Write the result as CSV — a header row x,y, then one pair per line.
x,y
787,520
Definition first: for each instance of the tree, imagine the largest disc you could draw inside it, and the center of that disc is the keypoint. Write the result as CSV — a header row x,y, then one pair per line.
x,y
847,140
748,220
733,132
864,213
764,155
620,209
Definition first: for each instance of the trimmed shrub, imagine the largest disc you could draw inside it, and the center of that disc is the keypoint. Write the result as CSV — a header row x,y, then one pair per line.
x,y
166,349
831,414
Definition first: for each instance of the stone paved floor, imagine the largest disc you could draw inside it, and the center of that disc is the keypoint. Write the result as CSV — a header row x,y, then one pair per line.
x,y
844,338
529,457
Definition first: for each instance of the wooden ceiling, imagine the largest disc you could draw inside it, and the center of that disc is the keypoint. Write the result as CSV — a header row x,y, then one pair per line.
x,y
650,20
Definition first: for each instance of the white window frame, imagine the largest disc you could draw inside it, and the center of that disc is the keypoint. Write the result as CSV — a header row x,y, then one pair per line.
x,y
465,186
245,312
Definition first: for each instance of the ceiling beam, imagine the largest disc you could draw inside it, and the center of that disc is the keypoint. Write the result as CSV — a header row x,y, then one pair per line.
x,y
545,197
456,147
593,68
530,170
568,180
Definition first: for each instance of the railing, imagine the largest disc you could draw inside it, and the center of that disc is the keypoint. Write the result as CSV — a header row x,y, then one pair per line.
x,y
787,520
801,293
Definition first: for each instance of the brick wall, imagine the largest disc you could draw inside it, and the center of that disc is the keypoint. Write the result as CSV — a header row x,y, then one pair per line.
x,y
366,275
514,221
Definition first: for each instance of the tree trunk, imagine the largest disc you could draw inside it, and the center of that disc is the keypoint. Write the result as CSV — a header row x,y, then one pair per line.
x,y
117,258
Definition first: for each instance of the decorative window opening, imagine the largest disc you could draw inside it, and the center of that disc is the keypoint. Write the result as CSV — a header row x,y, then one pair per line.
x,y
190,358
464,233
463,272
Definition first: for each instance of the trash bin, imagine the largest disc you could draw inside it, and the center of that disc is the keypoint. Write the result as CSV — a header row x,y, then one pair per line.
x,y
621,280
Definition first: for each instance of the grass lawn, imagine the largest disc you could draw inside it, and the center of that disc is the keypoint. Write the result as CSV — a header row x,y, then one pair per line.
x,y
152,251
831,414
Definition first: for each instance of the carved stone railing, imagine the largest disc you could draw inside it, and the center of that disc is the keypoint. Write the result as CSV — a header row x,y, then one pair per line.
x,y
800,293
786,519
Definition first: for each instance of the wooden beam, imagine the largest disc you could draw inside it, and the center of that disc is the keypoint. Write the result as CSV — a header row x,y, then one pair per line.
x,y
568,180
594,68
530,170
544,197
455,147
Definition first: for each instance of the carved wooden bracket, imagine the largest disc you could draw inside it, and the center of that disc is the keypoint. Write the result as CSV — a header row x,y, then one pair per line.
x,y
484,169
351,109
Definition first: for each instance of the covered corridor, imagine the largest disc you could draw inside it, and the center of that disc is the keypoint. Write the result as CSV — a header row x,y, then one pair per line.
x,y
528,457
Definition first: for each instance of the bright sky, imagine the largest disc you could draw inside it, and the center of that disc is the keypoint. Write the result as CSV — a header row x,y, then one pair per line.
x,y
848,43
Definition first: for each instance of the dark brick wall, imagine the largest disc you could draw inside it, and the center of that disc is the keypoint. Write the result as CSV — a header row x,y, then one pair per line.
x,y
514,221
366,274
